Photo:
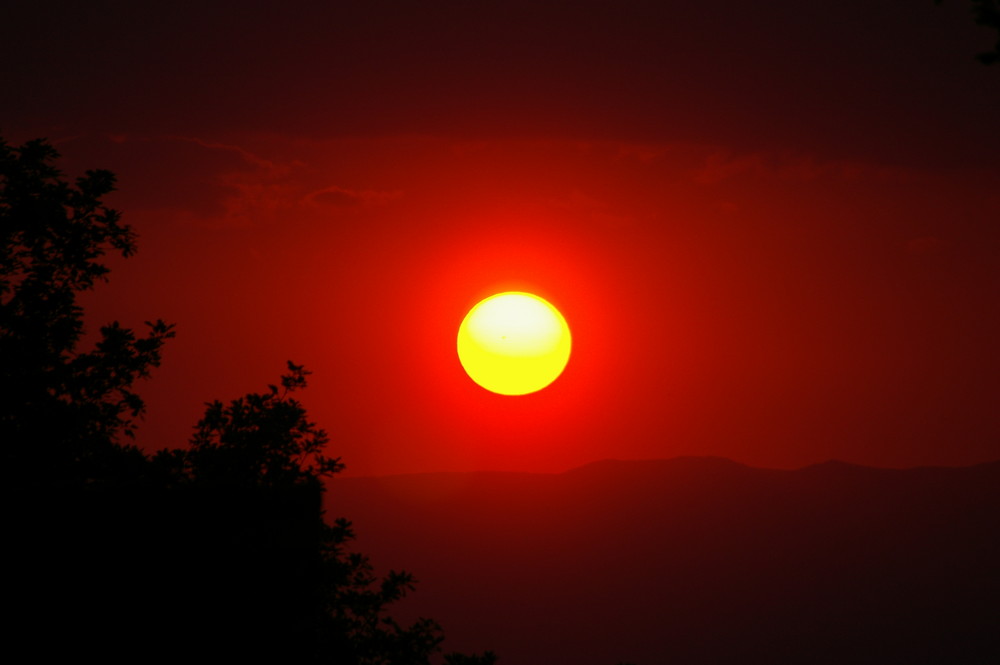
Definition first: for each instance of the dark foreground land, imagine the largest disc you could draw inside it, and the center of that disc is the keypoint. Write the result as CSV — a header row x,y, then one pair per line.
x,y
697,561
137,575
684,561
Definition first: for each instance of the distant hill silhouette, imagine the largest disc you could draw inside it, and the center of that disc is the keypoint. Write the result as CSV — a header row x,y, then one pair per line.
x,y
697,560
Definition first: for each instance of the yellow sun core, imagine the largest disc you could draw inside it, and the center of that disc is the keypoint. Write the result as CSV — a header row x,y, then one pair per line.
x,y
513,343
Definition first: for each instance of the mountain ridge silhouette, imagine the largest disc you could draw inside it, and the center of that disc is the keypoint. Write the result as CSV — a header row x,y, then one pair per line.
x,y
696,560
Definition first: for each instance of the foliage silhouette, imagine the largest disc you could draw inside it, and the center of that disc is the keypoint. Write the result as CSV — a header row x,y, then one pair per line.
x,y
986,13
63,409
65,416
260,440
265,440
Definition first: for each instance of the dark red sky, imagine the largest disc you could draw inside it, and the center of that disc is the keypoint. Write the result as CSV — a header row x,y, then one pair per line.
x,y
772,228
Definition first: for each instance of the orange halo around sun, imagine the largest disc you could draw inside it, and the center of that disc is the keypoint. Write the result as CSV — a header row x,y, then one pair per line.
x,y
514,343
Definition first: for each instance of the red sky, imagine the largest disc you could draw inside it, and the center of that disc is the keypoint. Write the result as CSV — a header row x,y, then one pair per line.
x,y
772,228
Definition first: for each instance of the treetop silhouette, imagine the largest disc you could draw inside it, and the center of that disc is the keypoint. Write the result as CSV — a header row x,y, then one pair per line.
x,y
63,411
67,416
987,14
259,440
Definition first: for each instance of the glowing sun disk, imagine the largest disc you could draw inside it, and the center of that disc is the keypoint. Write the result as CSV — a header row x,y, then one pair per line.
x,y
514,343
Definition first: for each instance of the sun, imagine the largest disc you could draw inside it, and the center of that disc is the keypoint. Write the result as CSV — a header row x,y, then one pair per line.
x,y
514,343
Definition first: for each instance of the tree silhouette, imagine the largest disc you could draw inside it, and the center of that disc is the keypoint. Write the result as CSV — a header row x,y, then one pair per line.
x,y
986,13
265,441
66,416
62,409
260,440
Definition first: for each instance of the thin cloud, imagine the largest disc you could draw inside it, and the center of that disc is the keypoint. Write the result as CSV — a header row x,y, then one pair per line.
x,y
246,155
342,197
191,180
720,165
